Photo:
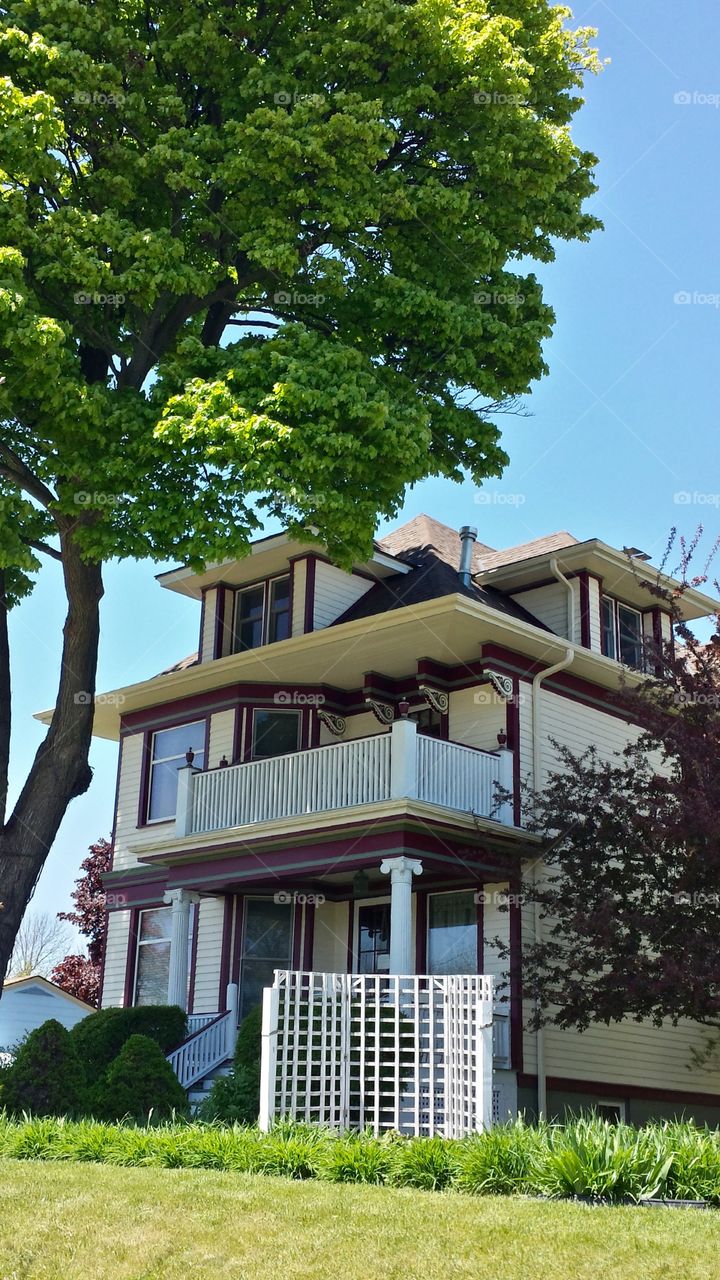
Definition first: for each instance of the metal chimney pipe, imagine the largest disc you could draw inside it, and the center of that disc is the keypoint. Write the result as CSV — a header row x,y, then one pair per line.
x,y
468,536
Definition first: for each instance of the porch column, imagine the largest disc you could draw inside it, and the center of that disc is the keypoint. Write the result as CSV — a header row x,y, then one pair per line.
x,y
181,901
401,871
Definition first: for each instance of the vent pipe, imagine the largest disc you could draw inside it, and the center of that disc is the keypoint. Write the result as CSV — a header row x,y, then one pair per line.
x,y
468,536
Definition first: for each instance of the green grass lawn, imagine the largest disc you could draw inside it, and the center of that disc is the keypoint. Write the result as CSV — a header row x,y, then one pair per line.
x,y
66,1221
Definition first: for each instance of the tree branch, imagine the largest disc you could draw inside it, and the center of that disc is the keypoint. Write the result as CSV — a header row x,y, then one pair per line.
x,y
43,546
23,478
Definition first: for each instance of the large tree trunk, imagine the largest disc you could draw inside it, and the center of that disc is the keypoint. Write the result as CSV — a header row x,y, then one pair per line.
x,y
60,770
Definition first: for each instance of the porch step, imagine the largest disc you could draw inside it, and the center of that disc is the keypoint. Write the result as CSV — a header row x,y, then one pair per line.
x,y
201,1089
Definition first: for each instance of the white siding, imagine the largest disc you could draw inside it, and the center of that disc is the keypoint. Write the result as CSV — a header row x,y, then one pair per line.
x,y
208,955
595,628
126,828
207,639
116,946
331,937
577,726
631,1053
477,716
222,736
335,591
496,924
549,604
25,1007
299,585
362,725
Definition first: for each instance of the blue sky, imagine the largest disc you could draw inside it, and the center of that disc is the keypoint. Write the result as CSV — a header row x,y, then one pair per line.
x,y
621,440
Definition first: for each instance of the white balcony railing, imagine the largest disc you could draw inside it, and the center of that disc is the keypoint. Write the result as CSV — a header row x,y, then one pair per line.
x,y
388,766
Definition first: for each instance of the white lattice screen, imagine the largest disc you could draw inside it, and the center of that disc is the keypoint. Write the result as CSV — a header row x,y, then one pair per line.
x,y
355,1051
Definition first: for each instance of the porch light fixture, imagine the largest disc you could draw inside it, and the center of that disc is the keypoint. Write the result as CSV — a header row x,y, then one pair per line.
x,y
361,884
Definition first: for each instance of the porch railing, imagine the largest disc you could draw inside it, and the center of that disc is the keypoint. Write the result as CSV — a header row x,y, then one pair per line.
x,y
209,1046
355,1051
397,765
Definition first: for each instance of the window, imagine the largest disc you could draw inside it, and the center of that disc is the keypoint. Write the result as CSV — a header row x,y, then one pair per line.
x,y
428,721
266,947
262,615
622,634
275,733
452,933
167,755
152,969
374,938
612,1111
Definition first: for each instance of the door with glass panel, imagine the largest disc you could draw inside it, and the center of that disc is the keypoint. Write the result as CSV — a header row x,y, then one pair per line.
x,y
452,932
266,946
373,931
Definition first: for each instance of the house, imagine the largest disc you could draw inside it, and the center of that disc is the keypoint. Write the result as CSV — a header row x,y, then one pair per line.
x,y
26,1003
325,766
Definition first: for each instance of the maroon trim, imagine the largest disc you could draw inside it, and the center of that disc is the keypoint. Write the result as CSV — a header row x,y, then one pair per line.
x,y
291,598
516,992
350,938
584,610
193,955
130,958
421,930
239,935
309,614
297,919
309,936
480,917
225,950
219,636
612,1089
512,729
566,686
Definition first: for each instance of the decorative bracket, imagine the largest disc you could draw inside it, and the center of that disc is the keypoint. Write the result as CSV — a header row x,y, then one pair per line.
x,y
503,685
383,711
439,701
336,724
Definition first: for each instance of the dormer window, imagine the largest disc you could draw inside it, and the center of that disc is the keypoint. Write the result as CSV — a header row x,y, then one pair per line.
x,y
622,633
262,614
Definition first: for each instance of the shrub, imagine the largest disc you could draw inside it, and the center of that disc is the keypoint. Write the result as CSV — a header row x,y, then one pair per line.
x,y
428,1164
501,1162
99,1038
356,1157
46,1076
138,1083
593,1158
235,1098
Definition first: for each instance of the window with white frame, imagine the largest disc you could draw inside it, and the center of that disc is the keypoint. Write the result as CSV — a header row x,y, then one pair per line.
x,y
262,614
622,632
152,960
168,750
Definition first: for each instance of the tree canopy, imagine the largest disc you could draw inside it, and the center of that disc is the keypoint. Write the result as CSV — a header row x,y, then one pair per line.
x,y
265,259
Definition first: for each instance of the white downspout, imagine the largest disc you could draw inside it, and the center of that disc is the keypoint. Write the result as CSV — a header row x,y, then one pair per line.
x,y
556,572
537,773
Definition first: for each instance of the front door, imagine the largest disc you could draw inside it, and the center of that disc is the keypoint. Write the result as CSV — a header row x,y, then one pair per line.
x,y
373,952
266,946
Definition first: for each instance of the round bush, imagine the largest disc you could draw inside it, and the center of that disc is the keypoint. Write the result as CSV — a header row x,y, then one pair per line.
x,y
47,1077
99,1038
140,1082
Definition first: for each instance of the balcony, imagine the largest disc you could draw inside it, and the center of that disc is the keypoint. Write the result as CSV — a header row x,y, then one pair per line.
x,y
399,765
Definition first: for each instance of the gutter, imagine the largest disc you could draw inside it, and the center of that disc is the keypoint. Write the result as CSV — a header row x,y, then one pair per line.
x,y
537,921
555,571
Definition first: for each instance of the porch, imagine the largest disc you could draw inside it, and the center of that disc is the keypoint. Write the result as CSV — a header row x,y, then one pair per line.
x,y
400,764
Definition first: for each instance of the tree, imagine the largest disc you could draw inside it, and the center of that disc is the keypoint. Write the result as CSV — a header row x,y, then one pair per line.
x,y
41,940
80,975
258,260
631,902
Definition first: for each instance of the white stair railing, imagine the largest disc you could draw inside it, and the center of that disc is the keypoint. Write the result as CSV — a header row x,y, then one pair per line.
x,y
209,1046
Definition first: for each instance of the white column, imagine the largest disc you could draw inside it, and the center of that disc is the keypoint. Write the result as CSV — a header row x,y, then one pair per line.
x,y
505,779
183,807
403,760
181,901
401,871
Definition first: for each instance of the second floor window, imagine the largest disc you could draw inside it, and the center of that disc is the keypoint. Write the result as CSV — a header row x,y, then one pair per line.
x,y
622,634
167,755
262,614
